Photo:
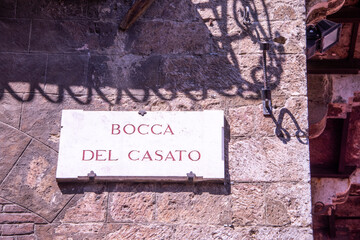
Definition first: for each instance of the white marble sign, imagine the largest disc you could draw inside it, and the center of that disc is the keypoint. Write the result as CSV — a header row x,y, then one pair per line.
x,y
118,146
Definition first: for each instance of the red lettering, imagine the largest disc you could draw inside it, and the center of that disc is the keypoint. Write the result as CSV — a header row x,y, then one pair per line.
x,y
92,155
133,129
99,155
168,129
170,156
199,156
140,127
110,157
115,127
180,151
147,156
159,155
152,129
129,155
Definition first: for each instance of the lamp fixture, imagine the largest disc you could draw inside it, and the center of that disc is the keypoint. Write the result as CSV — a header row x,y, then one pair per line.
x,y
321,37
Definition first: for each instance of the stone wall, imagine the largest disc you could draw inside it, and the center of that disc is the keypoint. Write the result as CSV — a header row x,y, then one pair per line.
x,y
180,55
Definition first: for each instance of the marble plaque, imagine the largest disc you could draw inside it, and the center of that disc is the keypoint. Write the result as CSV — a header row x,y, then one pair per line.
x,y
155,146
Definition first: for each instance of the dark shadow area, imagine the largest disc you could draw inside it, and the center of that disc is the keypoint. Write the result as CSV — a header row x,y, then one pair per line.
x,y
70,47
160,187
282,133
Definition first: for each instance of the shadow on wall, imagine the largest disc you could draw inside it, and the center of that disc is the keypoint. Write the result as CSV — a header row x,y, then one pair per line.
x,y
176,47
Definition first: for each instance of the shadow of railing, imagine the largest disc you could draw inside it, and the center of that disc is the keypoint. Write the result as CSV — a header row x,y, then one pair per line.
x,y
214,66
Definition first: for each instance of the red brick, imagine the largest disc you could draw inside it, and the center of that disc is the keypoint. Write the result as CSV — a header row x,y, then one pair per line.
x,y
7,238
12,208
3,201
20,218
13,229
28,237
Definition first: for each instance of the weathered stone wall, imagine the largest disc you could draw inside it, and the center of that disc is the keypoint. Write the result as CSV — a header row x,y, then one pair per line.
x,y
180,55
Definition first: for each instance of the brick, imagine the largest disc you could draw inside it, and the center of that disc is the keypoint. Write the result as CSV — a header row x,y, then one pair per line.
x,y
87,207
107,9
284,204
71,36
13,229
13,143
202,73
44,231
131,203
7,8
170,11
268,159
22,72
4,201
7,238
199,207
20,218
12,208
28,237
142,232
67,71
47,9
248,204
10,110
157,37
32,184
14,35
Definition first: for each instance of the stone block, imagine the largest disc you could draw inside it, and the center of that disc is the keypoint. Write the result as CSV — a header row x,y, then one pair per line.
x,y
44,231
268,159
14,229
107,9
270,233
289,119
67,71
180,205
288,203
87,207
179,11
12,208
128,72
10,110
26,237
45,125
13,218
132,203
137,231
74,230
7,8
12,145
259,10
203,73
32,184
248,204
286,74
47,9
7,238
15,35
71,36
164,37
285,37
22,73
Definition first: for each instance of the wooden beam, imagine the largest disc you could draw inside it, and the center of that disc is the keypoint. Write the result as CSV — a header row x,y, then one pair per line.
x,y
320,171
344,137
346,15
136,10
333,66
354,34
